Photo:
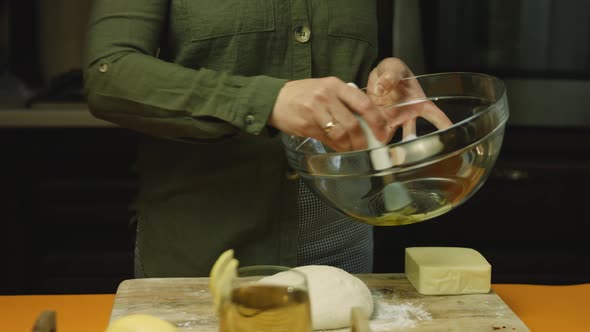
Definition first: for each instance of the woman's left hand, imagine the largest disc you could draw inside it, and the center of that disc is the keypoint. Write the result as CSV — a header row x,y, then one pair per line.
x,y
392,82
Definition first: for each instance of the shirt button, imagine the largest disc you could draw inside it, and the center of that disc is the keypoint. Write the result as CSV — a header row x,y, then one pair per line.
x,y
302,33
250,119
103,67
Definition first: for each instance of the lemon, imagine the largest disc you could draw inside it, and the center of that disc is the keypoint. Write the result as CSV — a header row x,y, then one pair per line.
x,y
141,323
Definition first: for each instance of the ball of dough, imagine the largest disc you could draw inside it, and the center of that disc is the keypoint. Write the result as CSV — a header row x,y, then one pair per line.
x,y
141,323
333,293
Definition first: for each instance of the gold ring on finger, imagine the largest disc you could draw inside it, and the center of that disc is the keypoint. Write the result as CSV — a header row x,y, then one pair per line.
x,y
329,126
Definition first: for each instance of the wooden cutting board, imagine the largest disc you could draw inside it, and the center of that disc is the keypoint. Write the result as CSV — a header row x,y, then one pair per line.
x,y
186,302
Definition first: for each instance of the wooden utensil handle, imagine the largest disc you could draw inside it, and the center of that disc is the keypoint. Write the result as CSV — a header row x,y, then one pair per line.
x,y
45,322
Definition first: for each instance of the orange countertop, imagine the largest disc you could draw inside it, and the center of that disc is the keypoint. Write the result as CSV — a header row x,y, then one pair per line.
x,y
541,308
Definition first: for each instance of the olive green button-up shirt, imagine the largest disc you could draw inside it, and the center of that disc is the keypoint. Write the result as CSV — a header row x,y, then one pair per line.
x,y
199,80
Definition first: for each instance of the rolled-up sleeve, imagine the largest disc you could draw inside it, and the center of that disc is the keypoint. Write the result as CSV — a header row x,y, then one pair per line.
x,y
127,84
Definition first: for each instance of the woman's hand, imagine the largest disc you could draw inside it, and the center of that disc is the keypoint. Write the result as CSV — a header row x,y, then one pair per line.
x,y
390,83
324,108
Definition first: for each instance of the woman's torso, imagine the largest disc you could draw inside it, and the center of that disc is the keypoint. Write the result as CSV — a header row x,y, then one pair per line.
x,y
200,198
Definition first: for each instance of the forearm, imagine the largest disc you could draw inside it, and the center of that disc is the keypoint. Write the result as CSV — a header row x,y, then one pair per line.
x,y
156,97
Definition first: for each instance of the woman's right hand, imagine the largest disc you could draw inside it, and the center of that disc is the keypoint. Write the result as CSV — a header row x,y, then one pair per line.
x,y
324,109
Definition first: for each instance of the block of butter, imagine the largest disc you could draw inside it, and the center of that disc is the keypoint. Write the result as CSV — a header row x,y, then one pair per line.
x,y
447,270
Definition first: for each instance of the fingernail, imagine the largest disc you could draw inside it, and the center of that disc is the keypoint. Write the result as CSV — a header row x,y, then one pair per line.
x,y
409,137
388,76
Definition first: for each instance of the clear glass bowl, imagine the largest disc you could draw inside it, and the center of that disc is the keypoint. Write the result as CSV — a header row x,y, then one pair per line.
x,y
429,175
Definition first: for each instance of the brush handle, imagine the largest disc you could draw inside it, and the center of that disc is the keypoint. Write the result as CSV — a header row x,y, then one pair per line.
x,y
379,153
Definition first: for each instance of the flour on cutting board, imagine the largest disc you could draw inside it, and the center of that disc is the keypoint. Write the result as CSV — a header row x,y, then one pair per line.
x,y
391,316
388,316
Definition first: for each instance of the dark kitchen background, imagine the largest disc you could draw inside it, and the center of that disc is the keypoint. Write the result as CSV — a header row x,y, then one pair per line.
x,y
67,179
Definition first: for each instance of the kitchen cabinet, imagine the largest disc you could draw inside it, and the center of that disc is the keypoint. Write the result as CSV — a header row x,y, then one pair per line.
x,y
76,116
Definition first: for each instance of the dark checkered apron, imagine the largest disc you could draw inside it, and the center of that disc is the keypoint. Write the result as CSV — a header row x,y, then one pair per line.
x,y
327,237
